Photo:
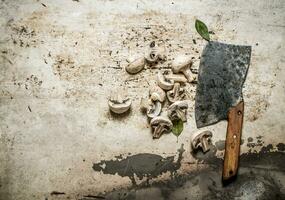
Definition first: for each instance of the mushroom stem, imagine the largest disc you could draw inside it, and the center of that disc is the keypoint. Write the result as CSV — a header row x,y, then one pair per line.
x,y
176,90
188,74
204,144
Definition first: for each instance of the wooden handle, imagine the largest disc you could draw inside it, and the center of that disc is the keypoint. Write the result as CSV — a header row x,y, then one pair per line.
x,y
235,119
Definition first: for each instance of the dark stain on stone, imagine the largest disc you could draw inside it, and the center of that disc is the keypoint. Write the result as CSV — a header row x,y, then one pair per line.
x,y
93,197
142,165
57,193
208,157
220,145
251,144
280,147
255,180
250,139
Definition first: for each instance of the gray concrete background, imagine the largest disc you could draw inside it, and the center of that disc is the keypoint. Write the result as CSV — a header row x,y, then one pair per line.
x,y
59,62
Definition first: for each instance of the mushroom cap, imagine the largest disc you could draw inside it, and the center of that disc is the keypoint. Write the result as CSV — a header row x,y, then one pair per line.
x,y
155,52
180,104
181,62
135,65
161,119
164,83
160,125
197,137
178,110
151,55
157,94
119,107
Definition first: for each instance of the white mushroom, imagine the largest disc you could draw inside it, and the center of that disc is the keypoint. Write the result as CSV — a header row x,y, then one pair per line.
x,y
155,52
135,65
164,83
202,140
176,78
176,94
119,104
152,108
182,63
157,94
178,110
160,125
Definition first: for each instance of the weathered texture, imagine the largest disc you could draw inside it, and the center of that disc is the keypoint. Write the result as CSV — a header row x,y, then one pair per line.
x,y
222,72
60,61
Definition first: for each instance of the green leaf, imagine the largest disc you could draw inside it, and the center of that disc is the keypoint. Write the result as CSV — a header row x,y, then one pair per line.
x,y
202,29
177,127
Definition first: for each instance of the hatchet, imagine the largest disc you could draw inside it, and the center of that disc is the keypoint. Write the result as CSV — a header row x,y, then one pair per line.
x,y
222,72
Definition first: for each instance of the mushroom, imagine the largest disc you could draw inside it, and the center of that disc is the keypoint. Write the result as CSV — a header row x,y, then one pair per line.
x,y
164,83
176,94
155,52
135,65
202,140
160,125
152,108
119,104
177,111
176,78
157,94
182,63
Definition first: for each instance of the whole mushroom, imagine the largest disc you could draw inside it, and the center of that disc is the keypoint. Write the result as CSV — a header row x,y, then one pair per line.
x,y
176,94
160,125
178,110
182,63
119,104
201,140
136,64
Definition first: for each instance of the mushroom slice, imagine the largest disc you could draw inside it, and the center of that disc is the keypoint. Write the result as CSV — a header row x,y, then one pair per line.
x,y
151,108
154,109
155,52
176,94
118,104
135,65
151,56
165,84
157,94
202,140
182,63
160,125
176,78
178,110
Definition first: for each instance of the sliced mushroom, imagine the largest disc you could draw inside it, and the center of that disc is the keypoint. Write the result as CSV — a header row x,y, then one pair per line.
x,y
135,65
152,108
176,78
178,110
176,94
119,104
182,63
201,140
157,94
160,125
165,84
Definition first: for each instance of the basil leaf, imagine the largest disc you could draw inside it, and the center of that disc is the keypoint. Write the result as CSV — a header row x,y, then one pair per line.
x,y
177,127
202,29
